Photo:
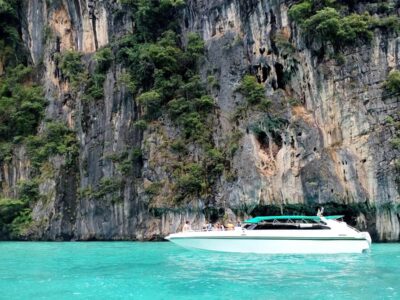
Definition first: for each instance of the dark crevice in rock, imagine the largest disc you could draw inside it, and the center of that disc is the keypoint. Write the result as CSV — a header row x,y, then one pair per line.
x,y
273,22
92,16
265,71
213,214
291,142
78,7
186,22
58,44
274,48
280,76
263,140
277,138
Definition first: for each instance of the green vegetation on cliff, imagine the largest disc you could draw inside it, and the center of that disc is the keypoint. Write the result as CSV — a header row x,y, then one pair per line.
x,y
71,66
12,52
152,18
392,83
253,91
334,22
90,84
21,104
22,108
14,215
56,139
328,25
163,73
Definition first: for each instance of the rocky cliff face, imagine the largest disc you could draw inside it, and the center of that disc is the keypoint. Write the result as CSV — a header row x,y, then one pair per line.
x,y
325,139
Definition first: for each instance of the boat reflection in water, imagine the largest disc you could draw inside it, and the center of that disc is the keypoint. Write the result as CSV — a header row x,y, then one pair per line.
x,y
280,234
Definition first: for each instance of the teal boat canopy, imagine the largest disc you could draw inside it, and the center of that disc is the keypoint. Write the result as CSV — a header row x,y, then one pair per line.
x,y
271,218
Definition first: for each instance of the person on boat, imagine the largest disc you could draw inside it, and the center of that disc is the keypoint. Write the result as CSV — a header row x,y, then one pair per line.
x,y
238,226
209,227
186,227
229,226
320,212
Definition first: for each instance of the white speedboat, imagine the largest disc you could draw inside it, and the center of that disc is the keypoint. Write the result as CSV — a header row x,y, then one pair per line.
x,y
280,234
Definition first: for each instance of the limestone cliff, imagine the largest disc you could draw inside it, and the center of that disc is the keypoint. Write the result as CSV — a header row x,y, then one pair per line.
x,y
324,139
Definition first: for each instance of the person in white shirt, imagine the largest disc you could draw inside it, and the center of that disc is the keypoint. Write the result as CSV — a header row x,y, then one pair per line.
x,y
186,227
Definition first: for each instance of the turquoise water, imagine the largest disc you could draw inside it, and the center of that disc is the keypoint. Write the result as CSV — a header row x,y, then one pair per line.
x,y
127,270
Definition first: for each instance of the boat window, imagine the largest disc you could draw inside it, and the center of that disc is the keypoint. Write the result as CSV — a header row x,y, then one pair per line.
x,y
288,226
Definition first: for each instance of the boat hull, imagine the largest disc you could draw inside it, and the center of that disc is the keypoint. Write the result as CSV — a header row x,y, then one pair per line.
x,y
274,245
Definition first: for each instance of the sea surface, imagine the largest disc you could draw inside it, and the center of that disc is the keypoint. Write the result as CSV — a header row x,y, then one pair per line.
x,y
134,270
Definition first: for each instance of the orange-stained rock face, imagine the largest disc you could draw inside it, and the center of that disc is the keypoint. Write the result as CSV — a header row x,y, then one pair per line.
x,y
60,23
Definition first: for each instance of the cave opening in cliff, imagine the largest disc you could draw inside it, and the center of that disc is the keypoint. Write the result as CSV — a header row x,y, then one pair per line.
x,y
276,137
58,44
262,139
186,22
213,214
265,70
280,76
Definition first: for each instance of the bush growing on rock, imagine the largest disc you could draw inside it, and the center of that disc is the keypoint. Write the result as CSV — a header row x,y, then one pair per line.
x,y
94,89
214,161
5,152
178,146
178,107
21,104
15,217
107,186
9,209
392,83
193,126
11,49
253,91
327,21
327,25
189,179
56,139
195,48
28,190
71,65
390,23
73,69
151,101
204,104
395,142
140,124
154,17
154,188
104,58
300,12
